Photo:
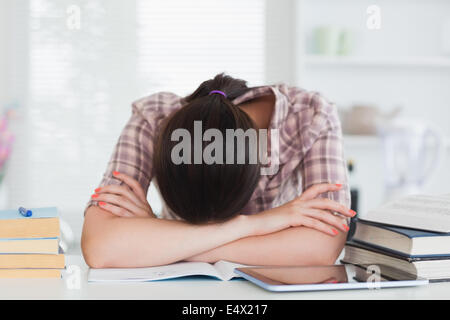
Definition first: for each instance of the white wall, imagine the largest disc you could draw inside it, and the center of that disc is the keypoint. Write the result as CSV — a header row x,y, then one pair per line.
x,y
13,52
408,29
3,53
280,47
401,64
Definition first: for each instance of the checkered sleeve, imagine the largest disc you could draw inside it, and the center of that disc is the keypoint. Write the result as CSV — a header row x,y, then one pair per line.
x,y
323,160
132,154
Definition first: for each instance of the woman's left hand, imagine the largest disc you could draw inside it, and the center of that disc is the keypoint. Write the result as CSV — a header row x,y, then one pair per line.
x,y
128,200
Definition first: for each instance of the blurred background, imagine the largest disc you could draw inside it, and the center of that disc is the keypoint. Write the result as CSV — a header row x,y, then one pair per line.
x,y
69,71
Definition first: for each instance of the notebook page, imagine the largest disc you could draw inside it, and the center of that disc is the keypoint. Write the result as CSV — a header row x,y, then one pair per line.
x,y
418,211
175,270
226,269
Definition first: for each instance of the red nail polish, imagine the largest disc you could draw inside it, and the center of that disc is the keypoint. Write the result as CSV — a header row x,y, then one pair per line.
x,y
346,227
335,231
353,213
338,185
102,203
116,173
98,189
94,196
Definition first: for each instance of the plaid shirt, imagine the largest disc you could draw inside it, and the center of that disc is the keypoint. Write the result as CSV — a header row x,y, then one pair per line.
x,y
310,146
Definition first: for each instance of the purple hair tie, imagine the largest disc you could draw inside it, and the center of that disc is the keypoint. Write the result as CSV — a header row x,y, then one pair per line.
x,y
219,92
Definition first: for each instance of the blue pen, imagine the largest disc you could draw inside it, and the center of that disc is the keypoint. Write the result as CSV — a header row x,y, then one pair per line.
x,y
25,212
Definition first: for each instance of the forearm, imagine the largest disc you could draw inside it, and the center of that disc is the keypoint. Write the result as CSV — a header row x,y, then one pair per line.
x,y
109,241
293,246
299,232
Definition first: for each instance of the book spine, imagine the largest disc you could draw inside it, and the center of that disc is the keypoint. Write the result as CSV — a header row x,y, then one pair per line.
x,y
394,254
30,274
17,261
30,228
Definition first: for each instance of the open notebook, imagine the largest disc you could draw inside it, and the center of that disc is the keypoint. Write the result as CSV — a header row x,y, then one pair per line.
x,y
221,270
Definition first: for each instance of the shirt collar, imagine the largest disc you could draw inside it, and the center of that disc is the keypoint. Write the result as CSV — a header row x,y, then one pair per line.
x,y
281,102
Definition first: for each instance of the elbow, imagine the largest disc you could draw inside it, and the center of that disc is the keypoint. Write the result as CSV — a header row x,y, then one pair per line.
x,y
96,239
95,249
329,255
92,257
320,258
326,252
93,253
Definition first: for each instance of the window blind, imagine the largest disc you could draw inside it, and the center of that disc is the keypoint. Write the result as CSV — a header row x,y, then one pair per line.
x,y
182,43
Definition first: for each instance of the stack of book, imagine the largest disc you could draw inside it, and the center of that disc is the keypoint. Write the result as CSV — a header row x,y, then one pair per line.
x,y
29,245
411,235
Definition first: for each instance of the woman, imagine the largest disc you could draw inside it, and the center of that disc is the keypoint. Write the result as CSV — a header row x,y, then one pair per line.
x,y
296,215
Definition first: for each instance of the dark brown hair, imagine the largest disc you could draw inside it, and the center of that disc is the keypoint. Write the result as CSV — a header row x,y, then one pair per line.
x,y
201,193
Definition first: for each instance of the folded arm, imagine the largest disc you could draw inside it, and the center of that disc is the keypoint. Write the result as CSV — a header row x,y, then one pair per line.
x,y
311,244
120,234
292,246
110,241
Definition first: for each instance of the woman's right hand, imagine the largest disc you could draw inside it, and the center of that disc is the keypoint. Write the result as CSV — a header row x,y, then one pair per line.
x,y
128,200
307,210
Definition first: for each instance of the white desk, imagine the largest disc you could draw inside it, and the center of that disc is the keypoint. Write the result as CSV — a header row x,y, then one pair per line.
x,y
192,290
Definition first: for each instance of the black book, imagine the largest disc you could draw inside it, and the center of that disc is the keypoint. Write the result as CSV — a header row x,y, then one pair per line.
x,y
434,268
408,242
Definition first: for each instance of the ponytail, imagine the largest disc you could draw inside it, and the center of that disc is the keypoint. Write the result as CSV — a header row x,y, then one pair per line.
x,y
232,87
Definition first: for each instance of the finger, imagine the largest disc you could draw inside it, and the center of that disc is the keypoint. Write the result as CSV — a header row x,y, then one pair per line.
x,y
317,225
120,202
327,217
123,191
132,183
118,211
327,204
317,189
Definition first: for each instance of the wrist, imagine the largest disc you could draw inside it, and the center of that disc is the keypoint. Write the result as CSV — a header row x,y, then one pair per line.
x,y
268,221
252,224
240,226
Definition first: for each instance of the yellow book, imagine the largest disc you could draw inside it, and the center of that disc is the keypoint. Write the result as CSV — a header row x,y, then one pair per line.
x,y
43,223
29,245
30,273
45,261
